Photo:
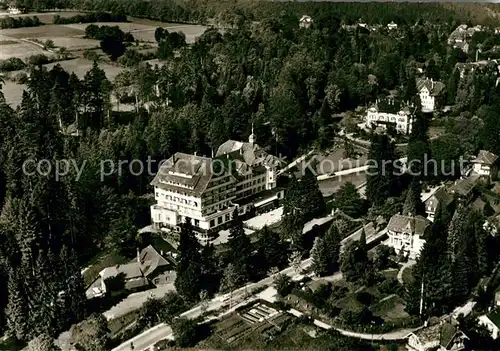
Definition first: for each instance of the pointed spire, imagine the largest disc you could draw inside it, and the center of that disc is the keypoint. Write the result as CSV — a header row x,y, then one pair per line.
x,y
251,138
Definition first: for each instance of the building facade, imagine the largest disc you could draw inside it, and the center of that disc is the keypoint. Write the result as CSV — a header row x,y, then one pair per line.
x,y
440,198
430,93
305,21
485,164
390,112
407,233
206,191
440,337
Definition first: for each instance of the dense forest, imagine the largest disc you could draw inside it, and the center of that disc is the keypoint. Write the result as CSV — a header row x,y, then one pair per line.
x,y
284,80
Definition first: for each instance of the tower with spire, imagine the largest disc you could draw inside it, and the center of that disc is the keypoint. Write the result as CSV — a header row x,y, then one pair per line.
x,y
252,139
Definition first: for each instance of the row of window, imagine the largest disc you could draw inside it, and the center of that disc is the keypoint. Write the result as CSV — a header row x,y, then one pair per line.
x,y
220,220
178,199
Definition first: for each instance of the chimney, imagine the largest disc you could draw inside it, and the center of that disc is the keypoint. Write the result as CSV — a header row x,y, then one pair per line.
x,y
138,256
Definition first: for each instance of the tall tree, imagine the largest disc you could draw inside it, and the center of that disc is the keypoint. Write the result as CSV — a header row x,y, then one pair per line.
x,y
240,248
189,272
381,179
17,308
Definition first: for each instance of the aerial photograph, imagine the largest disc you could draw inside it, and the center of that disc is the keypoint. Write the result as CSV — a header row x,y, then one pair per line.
x,y
249,175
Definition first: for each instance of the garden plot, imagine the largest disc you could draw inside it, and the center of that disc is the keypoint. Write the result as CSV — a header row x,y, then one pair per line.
x,y
50,30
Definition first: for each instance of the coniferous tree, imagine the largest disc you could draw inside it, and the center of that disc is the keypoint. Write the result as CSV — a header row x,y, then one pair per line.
x,y
320,257
381,179
271,251
189,271
18,323
240,248
413,202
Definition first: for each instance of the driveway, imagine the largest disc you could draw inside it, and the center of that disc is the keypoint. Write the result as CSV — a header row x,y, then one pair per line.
x,y
135,301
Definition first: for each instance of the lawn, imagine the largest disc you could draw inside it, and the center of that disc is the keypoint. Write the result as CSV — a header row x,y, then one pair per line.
x,y
391,310
408,276
15,48
105,259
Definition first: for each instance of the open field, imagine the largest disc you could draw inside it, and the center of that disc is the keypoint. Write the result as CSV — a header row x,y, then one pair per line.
x,y
17,48
191,31
73,44
146,32
13,92
50,30
80,66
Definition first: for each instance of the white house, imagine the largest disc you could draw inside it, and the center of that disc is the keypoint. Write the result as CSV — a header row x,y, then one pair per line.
x,y
429,91
407,233
485,164
392,25
390,112
440,197
492,322
305,21
441,337
207,191
13,10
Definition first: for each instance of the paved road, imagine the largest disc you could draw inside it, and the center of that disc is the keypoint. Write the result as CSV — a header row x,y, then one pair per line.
x,y
162,331
135,301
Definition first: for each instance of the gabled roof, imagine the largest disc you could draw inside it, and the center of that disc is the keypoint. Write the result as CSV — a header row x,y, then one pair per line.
x,y
441,334
151,259
464,187
486,158
416,225
440,196
494,317
249,153
434,87
129,270
186,173
305,18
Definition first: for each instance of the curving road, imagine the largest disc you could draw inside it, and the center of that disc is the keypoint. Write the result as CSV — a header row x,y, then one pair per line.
x,y
151,336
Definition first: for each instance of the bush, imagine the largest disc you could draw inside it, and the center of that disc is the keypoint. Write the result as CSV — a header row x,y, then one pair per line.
x,y
48,44
38,60
100,33
389,286
185,332
19,22
283,284
91,55
90,17
364,297
12,64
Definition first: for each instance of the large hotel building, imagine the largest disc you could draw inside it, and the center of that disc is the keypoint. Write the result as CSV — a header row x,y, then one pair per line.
x,y
242,176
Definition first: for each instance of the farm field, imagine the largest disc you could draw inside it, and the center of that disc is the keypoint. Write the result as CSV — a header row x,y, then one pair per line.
x,y
17,48
80,66
13,92
146,32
